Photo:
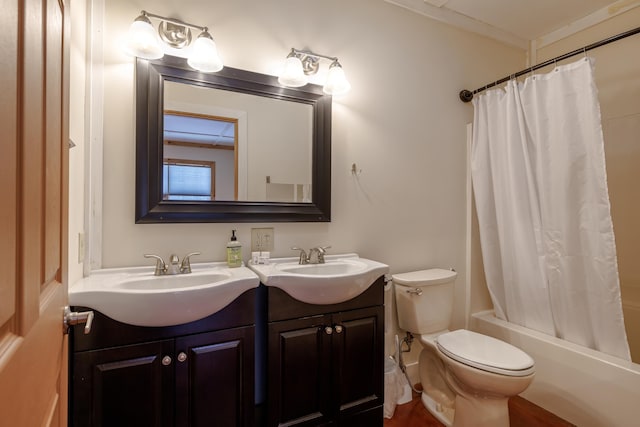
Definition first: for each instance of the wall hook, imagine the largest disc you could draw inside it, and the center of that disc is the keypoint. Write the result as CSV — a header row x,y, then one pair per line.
x,y
355,170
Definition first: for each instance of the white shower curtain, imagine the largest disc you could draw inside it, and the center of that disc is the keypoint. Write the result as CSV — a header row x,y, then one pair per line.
x,y
540,188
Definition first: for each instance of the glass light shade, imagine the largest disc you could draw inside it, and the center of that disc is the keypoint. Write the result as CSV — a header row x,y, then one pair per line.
x,y
142,40
204,56
337,83
293,74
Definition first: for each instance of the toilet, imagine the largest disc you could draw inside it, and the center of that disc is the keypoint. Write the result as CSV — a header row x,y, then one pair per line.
x,y
467,378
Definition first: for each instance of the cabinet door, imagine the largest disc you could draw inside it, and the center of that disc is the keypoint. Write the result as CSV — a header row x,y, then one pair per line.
x,y
124,386
214,378
299,372
358,354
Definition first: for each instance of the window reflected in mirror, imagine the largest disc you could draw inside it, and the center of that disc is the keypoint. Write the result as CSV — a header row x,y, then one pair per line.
x,y
188,180
199,157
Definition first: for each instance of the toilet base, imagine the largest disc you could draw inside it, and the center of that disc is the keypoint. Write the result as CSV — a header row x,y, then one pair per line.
x,y
470,411
444,415
459,395
481,412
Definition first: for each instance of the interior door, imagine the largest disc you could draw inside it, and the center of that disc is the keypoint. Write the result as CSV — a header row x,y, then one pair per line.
x,y
33,212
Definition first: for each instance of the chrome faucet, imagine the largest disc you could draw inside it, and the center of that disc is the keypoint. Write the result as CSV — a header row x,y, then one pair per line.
x,y
174,266
316,255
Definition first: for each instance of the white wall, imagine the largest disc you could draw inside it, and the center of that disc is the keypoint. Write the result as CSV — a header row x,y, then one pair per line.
x,y
402,124
77,96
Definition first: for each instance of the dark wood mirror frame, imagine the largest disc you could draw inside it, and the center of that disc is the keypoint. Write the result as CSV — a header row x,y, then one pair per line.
x,y
151,208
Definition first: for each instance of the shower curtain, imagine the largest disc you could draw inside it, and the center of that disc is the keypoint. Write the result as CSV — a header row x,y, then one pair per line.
x,y
540,188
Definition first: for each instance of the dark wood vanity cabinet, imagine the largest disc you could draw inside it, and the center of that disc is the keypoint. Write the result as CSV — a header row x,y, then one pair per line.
x,y
325,362
197,374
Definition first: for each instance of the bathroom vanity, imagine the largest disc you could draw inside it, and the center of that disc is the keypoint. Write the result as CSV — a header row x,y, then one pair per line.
x,y
325,362
304,348
185,375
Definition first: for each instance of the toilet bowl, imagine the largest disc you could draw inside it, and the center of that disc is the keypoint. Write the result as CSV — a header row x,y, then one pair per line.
x,y
467,377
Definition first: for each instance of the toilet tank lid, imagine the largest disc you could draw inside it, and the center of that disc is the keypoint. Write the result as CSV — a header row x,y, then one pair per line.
x,y
433,276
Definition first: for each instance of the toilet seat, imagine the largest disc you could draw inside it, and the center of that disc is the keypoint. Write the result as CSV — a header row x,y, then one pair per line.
x,y
485,353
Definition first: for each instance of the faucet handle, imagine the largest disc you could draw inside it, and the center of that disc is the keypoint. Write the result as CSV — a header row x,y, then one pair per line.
x,y
321,251
185,266
161,267
303,255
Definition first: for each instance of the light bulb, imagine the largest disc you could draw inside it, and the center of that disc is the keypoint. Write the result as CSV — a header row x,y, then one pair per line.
x,y
293,74
204,56
142,40
337,83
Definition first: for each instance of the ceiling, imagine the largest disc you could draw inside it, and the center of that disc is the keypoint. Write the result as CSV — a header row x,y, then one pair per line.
x,y
185,128
517,22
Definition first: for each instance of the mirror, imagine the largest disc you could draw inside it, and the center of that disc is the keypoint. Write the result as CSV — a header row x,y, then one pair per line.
x,y
266,157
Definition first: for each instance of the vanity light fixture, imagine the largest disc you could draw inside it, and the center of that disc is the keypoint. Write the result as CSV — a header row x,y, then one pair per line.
x,y
301,63
173,35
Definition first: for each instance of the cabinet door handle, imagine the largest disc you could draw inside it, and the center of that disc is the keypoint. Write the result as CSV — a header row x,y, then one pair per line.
x,y
328,330
182,356
166,361
338,329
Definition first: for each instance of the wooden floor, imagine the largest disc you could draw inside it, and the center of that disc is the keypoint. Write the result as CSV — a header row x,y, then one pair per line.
x,y
522,413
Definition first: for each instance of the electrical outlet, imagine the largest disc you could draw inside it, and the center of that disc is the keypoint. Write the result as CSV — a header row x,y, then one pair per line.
x,y
262,240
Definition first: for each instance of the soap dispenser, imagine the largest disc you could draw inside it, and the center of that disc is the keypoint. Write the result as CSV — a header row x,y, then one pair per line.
x,y
234,251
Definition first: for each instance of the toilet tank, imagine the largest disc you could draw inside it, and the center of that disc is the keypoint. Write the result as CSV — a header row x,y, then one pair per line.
x,y
424,300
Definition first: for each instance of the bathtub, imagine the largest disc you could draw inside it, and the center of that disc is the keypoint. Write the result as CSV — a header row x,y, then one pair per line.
x,y
583,386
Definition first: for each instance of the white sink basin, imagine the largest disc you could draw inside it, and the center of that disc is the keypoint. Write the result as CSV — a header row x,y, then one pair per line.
x,y
332,268
339,279
178,281
137,297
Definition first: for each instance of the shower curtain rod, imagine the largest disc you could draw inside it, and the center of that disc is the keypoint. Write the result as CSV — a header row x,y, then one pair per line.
x,y
467,95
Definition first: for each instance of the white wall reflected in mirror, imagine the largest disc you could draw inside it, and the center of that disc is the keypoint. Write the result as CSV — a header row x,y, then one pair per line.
x,y
271,140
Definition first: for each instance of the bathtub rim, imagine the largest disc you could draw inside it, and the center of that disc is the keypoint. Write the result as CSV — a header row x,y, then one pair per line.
x,y
489,316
